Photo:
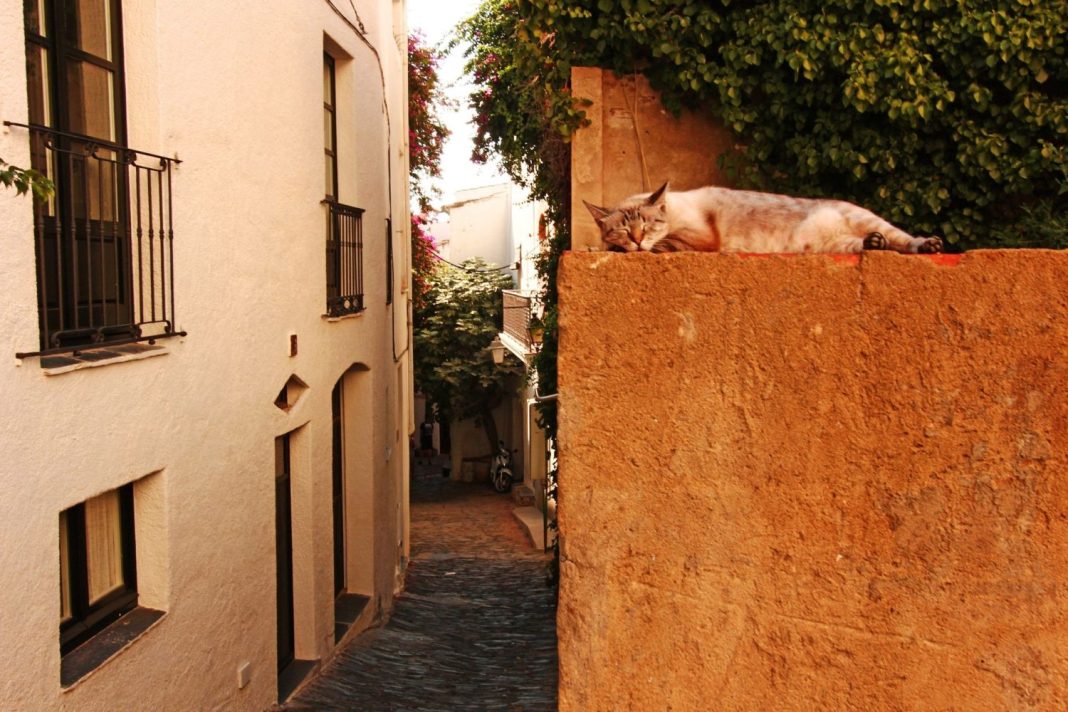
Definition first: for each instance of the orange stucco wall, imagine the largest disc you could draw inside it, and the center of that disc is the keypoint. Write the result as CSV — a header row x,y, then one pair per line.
x,y
814,483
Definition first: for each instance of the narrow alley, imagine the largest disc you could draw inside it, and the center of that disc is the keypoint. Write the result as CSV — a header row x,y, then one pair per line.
x,y
474,628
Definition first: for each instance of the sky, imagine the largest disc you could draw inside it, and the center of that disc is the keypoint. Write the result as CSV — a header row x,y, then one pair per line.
x,y
435,19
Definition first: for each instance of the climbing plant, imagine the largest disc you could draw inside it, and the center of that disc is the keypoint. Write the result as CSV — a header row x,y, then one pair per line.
x,y
427,133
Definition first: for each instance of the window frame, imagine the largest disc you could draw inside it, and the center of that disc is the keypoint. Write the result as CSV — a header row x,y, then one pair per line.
x,y
65,231
330,107
87,619
59,52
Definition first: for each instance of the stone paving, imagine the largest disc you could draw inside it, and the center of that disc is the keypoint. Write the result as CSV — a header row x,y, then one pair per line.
x,y
475,628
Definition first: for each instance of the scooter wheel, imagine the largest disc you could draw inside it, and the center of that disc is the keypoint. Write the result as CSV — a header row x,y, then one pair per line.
x,y
502,480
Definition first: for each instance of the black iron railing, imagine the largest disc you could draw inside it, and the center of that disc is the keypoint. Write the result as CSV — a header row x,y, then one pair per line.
x,y
104,241
517,316
344,259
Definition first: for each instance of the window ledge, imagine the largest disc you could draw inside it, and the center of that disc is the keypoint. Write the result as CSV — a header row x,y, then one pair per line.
x,y
343,317
100,356
103,646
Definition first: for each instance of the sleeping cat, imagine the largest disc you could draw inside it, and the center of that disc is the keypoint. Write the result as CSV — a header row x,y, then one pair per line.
x,y
715,219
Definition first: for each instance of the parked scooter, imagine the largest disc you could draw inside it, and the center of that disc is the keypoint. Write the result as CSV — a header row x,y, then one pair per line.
x,y
501,469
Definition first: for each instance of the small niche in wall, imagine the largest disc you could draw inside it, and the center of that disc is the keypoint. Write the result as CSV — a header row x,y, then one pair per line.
x,y
291,392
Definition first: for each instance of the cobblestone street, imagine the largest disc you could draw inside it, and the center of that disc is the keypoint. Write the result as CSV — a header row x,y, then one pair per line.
x,y
474,628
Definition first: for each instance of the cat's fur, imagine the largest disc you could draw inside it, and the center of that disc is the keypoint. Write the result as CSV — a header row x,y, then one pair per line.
x,y
713,219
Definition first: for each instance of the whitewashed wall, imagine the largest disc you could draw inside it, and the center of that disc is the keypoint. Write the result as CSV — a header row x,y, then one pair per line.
x,y
480,225
234,89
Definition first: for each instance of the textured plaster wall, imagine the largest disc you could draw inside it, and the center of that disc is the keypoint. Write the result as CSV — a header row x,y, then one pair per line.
x,y
480,225
632,145
808,483
234,89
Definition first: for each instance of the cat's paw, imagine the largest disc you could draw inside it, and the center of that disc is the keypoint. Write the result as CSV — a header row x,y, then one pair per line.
x,y
875,241
929,245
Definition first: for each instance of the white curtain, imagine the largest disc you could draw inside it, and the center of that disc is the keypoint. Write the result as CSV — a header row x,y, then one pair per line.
x,y
103,544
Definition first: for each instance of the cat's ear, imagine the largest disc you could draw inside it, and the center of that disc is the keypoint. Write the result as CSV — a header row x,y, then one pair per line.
x,y
599,214
657,197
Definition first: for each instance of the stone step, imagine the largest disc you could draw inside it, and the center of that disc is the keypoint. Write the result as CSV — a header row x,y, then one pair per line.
x,y
523,496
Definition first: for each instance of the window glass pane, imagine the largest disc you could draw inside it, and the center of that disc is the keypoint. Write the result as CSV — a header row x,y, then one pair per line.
x,y
64,569
37,61
328,124
328,84
35,17
94,185
103,545
88,24
91,100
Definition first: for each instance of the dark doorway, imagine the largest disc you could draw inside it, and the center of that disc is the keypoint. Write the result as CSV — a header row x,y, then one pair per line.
x,y
444,437
284,551
338,491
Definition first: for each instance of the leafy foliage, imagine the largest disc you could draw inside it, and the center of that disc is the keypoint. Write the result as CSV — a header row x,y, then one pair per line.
x,y
948,118
461,316
426,139
424,264
25,180
426,130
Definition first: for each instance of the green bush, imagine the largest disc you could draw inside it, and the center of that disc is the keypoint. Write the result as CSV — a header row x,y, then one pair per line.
x,y
946,117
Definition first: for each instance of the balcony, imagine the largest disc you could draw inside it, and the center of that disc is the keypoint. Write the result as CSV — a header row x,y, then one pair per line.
x,y
104,243
518,336
344,259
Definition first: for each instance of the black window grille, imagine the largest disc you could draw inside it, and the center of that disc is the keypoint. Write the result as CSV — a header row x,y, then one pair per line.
x,y
344,260
104,241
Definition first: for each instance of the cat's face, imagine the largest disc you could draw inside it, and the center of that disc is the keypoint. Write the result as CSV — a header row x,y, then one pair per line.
x,y
635,224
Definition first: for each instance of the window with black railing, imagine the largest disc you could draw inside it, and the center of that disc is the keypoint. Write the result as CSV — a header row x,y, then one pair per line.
x,y
105,239
344,259
104,242
517,316
344,223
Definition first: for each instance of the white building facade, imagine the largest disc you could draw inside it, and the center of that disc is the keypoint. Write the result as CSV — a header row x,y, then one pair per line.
x,y
480,225
208,380
521,336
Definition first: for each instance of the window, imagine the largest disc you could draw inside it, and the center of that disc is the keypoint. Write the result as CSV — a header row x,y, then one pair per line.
x,y
330,125
103,241
344,223
97,568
